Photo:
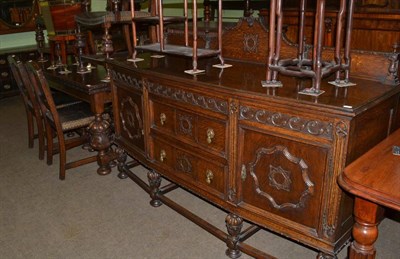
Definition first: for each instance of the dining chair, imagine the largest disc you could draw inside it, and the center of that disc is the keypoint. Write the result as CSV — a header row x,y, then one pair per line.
x,y
59,121
32,108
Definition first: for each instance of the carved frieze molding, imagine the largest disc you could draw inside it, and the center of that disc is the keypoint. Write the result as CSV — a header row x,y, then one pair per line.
x,y
209,103
295,123
127,79
131,121
277,172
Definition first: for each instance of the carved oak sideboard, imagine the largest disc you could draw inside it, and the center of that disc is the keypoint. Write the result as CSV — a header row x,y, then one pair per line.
x,y
269,156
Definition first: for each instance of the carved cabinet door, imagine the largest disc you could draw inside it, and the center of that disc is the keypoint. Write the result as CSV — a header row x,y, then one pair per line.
x,y
282,178
129,119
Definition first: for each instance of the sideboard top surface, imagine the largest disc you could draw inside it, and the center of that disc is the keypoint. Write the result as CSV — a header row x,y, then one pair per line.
x,y
244,79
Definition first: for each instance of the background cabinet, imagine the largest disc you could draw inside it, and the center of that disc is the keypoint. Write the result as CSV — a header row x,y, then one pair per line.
x,y
8,86
17,16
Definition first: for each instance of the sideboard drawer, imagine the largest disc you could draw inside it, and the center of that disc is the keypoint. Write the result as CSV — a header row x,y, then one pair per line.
x,y
207,132
4,74
3,61
7,85
192,168
163,117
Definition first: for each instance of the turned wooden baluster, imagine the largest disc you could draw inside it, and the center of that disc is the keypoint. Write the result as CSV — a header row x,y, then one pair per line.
x,y
234,226
154,182
80,44
39,37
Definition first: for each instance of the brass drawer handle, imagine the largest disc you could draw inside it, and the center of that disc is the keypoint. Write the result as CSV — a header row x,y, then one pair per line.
x,y
4,74
7,87
163,118
210,135
163,155
209,176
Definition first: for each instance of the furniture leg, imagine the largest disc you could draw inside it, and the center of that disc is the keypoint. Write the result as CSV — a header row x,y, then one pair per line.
x,y
234,226
41,136
49,142
31,131
63,52
365,230
100,140
122,156
154,182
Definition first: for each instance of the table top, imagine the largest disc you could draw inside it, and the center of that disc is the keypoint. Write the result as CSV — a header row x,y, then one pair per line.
x,y
375,176
244,79
79,85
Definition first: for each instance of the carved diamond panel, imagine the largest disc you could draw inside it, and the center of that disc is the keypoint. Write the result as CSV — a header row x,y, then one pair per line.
x,y
131,121
279,178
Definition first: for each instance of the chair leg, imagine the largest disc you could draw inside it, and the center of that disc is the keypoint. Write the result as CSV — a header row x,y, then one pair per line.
x,y
39,124
63,158
49,140
31,130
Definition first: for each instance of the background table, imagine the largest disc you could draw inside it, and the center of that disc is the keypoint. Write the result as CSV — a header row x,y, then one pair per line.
x,y
374,179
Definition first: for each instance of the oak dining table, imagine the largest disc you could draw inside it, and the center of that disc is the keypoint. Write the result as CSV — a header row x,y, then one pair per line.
x,y
374,180
93,89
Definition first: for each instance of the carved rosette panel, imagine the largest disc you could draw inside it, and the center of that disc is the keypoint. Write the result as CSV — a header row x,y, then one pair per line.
x,y
312,127
127,79
184,164
131,121
250,43
277,173
209,103
185,124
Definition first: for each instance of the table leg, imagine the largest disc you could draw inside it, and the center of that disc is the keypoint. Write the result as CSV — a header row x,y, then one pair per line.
x,y
100,140
365,230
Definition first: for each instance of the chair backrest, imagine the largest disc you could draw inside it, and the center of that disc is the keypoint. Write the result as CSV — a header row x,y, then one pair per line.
x,y
43,94
20,75
59,17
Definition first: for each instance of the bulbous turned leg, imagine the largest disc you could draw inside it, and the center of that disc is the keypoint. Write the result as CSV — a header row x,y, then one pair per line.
x,y
154,182
121,163
365,230
100,141
234,226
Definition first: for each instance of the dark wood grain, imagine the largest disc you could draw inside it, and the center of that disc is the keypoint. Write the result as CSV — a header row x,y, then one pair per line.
x,y
374,179
275,156
375,176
